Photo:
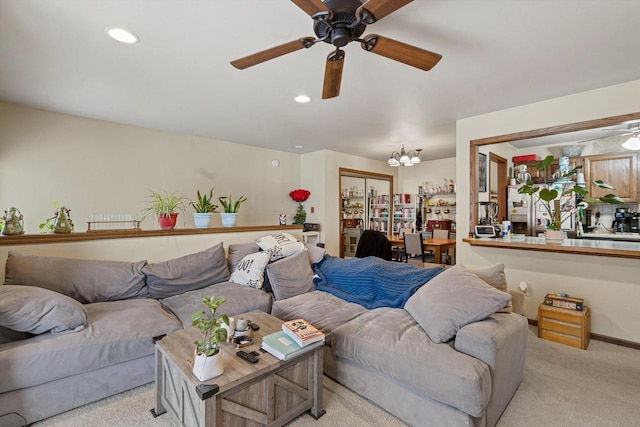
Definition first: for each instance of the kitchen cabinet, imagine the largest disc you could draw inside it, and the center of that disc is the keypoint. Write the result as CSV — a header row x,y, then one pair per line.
x,y
618,170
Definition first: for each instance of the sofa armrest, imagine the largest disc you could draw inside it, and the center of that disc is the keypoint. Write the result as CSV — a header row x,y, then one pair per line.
x,y
501,342
517,301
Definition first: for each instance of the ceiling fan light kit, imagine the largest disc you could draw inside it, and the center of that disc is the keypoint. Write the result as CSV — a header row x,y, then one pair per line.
x,y
404,158
340,22
632,143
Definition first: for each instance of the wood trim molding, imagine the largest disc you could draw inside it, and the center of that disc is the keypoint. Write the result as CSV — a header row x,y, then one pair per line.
x,y
27,239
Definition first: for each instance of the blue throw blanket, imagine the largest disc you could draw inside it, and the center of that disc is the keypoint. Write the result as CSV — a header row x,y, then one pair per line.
x,y
371,282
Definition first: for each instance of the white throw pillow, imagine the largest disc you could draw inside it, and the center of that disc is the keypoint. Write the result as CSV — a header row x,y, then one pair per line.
x,y
250,271
281,245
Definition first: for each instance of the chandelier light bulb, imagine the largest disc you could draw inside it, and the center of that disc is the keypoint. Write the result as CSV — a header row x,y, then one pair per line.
x,y
632,143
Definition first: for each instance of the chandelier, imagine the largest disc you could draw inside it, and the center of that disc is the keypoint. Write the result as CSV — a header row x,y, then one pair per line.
x,y
404,158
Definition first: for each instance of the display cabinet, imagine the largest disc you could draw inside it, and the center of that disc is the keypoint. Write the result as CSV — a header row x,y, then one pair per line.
x,y
405,209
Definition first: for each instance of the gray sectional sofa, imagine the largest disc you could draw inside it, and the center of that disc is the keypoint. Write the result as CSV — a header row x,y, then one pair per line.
x,y
93,323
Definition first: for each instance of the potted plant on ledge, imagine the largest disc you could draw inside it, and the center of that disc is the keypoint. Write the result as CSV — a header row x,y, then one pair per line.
x,y
556,198
230,214
203,209
207,358
166,206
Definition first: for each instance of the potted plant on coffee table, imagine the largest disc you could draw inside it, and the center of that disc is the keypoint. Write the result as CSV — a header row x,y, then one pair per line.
x,y
203,209
207,358
230,214
166,206
556,200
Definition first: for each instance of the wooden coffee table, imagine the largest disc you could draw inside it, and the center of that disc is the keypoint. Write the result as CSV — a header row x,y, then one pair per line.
x,y
270,392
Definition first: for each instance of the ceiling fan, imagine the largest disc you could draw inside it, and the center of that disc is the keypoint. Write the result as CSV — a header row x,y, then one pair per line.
x,y
633,131
340,22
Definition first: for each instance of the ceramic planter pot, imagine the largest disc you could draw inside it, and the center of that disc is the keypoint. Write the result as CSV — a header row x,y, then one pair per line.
x,y
554,237
202,220
228,219
167,222
205,368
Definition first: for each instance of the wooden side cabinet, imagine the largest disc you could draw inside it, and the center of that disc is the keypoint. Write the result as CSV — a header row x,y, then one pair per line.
x,y
619,170
570,327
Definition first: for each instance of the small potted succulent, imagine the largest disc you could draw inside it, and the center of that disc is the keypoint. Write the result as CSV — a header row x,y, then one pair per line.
x,y
207,358
555,199
204,208
231,207
166,206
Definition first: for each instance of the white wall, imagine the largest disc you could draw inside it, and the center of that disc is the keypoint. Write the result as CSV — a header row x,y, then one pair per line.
x,y
93,166
610,286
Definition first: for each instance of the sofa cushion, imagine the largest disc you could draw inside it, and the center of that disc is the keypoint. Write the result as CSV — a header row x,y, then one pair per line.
x,y
8,335
290,276
81,279
239,299
117,331
389,342
250,271
193,271
280,245
37,310
494,276
323,310
238,251
453,299
315,253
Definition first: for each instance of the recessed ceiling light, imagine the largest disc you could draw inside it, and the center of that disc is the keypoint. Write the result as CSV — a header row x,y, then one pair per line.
x,y
122,35
302,99
298,146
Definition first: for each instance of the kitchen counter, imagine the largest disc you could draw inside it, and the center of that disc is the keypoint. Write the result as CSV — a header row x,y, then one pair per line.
x,y
595,247
630,237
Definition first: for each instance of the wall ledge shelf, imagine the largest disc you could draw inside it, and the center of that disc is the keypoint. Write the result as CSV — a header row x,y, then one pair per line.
x,y
26,239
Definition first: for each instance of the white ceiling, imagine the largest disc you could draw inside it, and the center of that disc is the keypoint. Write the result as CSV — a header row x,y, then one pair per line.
x,y
497,54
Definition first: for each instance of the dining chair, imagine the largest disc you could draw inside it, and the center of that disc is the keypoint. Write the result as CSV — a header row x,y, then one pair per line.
x,y
447,258
413,247
440,234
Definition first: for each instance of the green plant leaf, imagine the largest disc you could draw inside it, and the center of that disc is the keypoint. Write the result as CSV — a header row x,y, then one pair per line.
x,y
603,184
548,195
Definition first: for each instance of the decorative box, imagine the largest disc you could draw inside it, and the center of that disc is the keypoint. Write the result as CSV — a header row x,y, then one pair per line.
x,y
564,301
526,158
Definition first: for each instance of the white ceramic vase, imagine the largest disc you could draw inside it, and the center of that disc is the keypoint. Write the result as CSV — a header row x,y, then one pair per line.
x,y
202,220
228,219
554,237
205,368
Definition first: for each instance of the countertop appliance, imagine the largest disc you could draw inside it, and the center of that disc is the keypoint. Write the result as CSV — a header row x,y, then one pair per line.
x,y
634,221
622,222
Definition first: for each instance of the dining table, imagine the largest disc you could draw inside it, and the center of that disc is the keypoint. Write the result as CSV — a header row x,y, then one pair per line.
x,y
438,246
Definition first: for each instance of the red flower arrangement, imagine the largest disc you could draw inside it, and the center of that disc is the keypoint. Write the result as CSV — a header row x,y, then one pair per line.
x,y
300,195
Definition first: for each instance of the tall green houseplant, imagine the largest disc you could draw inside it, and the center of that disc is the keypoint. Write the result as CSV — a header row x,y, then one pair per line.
x,y
229,205
556,206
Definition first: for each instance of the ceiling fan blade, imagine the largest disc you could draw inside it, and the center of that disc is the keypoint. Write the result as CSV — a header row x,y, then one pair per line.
x,y
311,7
333,74
401,52
378,9
274,52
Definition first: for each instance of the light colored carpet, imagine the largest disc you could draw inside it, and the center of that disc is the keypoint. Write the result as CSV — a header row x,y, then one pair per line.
x,y
562,387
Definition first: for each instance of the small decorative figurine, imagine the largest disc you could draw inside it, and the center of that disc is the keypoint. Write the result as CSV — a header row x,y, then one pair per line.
x,y
13,223
283,219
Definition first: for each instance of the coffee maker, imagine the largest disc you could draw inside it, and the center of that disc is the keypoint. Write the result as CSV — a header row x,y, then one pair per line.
x,y
634,222
623,220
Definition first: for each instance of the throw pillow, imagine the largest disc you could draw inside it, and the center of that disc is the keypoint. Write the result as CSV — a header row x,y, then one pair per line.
x,y
291,276
237,251
38,310
451,300
9,335
494,276
84,280
250,271
281,245
187,273
316,253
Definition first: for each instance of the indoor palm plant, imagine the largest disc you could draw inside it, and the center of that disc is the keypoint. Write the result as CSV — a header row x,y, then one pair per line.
x,y
231,208
203,207
207,359
556,199
166,206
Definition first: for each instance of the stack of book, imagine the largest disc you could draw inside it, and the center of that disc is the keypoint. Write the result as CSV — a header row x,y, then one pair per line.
x,y
296,337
